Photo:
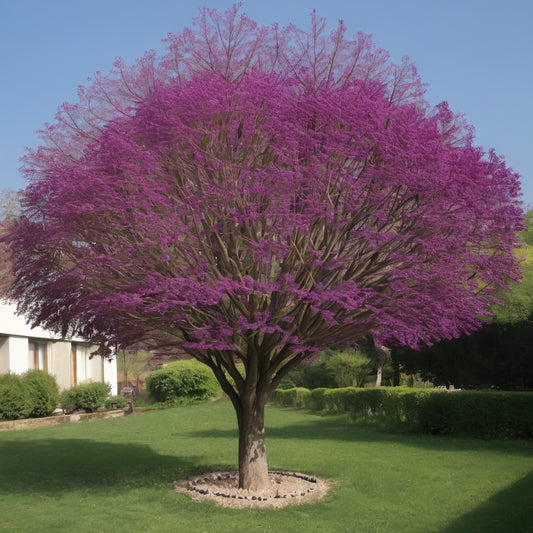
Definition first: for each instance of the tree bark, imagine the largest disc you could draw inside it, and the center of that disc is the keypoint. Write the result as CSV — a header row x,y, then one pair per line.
x,y
379,375
253,467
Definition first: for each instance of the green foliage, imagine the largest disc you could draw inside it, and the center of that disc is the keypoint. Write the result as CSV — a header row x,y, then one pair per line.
x,y
311,375
44,392
518,302
296,397
331,369
32,395
15,398
181,381
67,401
350,368
86,396
486,414
499,355
115,402
132,365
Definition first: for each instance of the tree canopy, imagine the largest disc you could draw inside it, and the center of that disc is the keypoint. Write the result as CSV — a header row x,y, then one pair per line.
x,y
254,196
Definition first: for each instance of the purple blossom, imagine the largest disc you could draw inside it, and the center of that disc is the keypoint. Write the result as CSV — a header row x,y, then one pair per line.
x,y
245,200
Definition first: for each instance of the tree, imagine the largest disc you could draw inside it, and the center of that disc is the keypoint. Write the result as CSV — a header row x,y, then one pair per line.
x,y
254,196
517,303
350,368
9,204
382,356
132,364
9,210
499,354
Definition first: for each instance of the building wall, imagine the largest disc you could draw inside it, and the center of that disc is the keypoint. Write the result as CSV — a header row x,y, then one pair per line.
x,y
59,363
13,324
67,359
4,355
18,364
9,347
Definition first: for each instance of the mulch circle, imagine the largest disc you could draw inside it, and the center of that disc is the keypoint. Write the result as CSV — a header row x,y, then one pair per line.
x,y
286,488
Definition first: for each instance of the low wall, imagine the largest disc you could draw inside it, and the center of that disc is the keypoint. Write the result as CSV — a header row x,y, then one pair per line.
x,y
60,419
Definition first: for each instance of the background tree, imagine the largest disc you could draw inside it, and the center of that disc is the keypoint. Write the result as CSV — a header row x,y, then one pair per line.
x,y
9,210
133,365
498,355
257,195
350,368
9,204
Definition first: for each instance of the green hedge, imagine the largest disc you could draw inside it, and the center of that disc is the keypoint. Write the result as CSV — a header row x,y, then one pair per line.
x,y
486,414
182,380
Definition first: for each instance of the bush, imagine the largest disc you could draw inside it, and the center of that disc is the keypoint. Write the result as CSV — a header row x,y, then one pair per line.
x,y
67,401
485,414
15,398
115,402
86,396
43,390
311,376
182,380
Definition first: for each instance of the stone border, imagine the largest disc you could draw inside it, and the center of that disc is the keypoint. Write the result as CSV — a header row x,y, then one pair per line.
x,y
27,423
286,488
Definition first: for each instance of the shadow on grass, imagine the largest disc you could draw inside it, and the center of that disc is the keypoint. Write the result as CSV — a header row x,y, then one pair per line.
x,y
315,427
510,510
55,466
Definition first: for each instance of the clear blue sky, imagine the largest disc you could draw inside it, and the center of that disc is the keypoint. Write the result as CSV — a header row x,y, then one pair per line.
x,y
476,54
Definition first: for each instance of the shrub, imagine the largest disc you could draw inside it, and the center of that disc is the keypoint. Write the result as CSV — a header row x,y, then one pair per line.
x,y
485,414
15,398
311,376
67,401
115,402
86,396
182,380
43,390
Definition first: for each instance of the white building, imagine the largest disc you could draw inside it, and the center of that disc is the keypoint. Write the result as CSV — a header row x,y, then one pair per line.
x,y
23,348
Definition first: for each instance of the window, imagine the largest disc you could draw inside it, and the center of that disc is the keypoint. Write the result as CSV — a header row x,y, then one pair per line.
x,y
73,365
37,356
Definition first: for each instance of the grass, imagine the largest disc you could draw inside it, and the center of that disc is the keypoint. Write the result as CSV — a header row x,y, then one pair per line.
x,y
115,476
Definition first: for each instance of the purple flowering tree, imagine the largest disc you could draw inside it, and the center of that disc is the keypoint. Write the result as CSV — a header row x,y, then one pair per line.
x,y
255,195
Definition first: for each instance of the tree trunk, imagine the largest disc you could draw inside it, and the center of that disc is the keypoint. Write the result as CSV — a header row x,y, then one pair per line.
x,y
379,375
253,467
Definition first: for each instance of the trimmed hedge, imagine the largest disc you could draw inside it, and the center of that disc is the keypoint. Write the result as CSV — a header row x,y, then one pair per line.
x,y
486,414
182,380
86,396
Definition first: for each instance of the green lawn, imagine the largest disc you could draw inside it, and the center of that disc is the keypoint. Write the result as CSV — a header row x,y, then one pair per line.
x,y
115,476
